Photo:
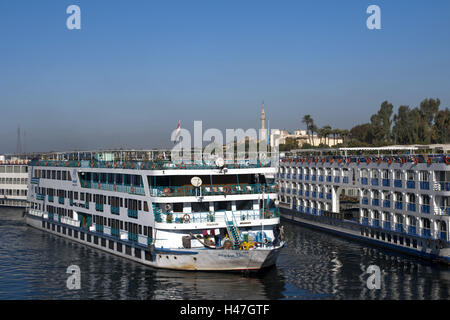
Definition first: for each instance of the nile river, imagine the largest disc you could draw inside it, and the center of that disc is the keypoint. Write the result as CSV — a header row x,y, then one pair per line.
x,y
314,265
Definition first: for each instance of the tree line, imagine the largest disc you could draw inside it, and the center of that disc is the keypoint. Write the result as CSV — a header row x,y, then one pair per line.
x,y
425,124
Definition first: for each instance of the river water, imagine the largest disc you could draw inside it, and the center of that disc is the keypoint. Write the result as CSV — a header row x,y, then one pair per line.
x,y
314,265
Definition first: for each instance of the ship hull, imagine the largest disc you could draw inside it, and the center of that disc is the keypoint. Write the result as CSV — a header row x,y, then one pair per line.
x,y
165,258
429,250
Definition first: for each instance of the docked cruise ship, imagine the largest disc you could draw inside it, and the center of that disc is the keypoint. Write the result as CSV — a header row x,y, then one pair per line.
x,y
208,215
397,197
13,181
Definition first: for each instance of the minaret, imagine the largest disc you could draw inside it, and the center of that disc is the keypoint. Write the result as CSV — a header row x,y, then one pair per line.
x,y
263,117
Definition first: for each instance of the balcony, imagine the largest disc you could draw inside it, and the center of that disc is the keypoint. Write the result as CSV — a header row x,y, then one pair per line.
x,y
386,203
375,182
444,210
306,193
314,211
99,207
398,184
425,208
365,221
375,202
321,178
345,180
424,185
376,223
50,199
328,178
40,196
412,230
294,176
139,190
189,191
426,233
288,176
132,213
399,227
115,210
99,228
314,194
399,205
387,225
282,176
364,181
386,183
365,201
300,176
410,184
445,186
337,179
328,196
321,195
60,200
412,207
314,178
306,176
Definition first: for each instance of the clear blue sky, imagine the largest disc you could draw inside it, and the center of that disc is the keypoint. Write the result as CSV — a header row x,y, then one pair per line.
x,y
137,67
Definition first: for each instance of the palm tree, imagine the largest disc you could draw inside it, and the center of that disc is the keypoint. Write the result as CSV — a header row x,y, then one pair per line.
x,y
327,130
308,121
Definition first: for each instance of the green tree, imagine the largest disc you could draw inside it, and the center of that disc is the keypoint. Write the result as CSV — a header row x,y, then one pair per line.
x,y
381,124
441,129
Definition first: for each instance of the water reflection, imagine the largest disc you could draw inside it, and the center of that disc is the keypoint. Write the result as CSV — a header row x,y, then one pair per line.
x,y
336,268
314,265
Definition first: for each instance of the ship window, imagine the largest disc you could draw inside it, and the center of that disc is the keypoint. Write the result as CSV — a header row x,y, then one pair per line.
x,y
95,239
103,242
128,250
145,206
148,256
408,242
64,175
137,253
414,243
82,236
111,244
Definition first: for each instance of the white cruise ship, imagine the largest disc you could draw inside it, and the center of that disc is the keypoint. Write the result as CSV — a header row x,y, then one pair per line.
x,y
212,215
13,181
397,197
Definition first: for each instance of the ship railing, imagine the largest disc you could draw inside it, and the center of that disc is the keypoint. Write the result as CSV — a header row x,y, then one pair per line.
x,y
218,216
70,221
139,190
156,164
35,212
231,189
367,159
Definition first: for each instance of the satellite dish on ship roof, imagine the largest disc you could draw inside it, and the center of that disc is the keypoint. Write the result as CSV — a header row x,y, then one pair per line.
x,y
196,181
277,202
220,162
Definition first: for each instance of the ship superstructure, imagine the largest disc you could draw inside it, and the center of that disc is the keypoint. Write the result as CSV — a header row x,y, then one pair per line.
x,y
13,181
190,215
398,197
